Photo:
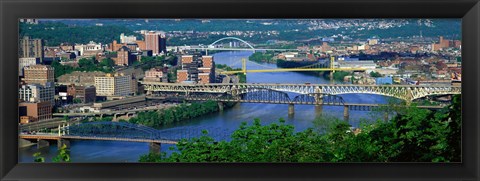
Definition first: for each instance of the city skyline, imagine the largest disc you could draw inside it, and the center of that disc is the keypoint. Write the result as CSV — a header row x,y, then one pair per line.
x,y
125,82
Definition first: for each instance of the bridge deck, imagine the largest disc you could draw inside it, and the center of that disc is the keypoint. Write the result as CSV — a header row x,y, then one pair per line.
x,y
284,84
57,137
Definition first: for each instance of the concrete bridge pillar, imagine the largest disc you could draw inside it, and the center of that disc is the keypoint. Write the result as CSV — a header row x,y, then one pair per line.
x,y
346,114
291,109
318,109
154,147
22,143
114,119
61,142
63,129
221,105
42,143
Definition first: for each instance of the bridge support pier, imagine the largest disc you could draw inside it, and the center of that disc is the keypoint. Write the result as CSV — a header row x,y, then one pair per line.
x,y
61,142
42,143
22,143
291,109
114,119
346,114
154,147
221,105
318,109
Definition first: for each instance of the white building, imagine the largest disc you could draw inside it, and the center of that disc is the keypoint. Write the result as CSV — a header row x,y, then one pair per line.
x,y
127,39
113,85
367,64
23,62
90,49
37,93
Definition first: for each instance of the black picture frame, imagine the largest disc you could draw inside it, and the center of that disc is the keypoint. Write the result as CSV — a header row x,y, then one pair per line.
x,y
468,10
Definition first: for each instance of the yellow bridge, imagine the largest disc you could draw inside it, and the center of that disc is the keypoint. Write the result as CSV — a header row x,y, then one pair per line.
x,y
317,67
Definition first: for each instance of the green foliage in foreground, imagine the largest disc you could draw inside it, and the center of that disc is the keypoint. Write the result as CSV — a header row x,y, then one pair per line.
x,y
157,119
62,156
415,135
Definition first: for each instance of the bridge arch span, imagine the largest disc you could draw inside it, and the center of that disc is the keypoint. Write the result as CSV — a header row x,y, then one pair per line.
x,y
113,129
232,38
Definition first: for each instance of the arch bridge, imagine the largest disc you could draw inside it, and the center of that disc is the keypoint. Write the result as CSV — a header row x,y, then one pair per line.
x,y
104,131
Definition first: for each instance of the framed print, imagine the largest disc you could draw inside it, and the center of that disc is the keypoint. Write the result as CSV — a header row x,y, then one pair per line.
x,y
239,90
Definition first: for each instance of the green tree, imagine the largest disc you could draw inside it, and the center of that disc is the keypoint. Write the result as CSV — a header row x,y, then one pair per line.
x,y
38,158
375,74
413,135
63,155
107,62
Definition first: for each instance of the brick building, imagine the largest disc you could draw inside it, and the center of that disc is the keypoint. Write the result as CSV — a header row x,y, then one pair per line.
x,y
85,94
36,111
38,74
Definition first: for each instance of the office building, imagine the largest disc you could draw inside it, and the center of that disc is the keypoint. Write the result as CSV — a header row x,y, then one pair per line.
x,y
197,68
124,57
35,111
182,75
113,85
31,48
154,75
24,62
155,41
37,93
86,94
38,74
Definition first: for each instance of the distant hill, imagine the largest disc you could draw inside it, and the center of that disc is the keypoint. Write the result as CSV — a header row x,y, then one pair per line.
x,y
253,30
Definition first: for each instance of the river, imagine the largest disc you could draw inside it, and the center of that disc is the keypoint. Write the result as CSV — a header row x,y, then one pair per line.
x,y
220,124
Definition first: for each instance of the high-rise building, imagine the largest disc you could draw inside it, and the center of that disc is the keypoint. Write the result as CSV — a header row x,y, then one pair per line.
x,y
29,48
198,69
37,93
113,85
38,74
182,75
155,41
124,57
23,62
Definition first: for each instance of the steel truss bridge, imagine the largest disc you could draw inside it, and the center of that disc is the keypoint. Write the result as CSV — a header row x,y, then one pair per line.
x,y
105,131
309,94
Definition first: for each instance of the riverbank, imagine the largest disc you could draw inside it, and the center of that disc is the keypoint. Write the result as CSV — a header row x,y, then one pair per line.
x,y
261,57
180,113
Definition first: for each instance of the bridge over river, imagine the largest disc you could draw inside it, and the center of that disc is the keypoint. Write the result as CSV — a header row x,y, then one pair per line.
x,y
102,131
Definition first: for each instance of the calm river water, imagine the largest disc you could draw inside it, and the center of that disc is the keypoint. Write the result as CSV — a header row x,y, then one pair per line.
x,y
220,124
